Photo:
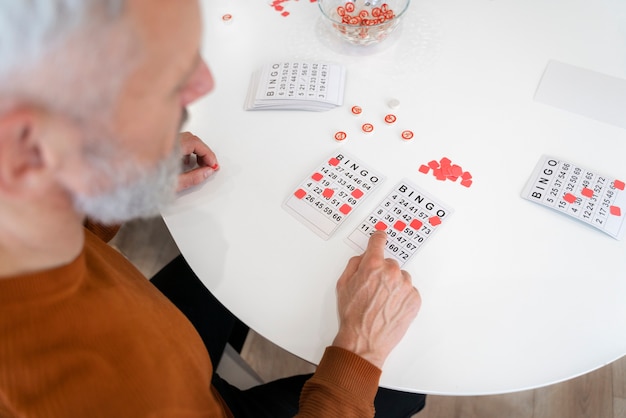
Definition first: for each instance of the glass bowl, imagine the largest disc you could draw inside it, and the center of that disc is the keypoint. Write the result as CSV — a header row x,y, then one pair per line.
x,y
363,22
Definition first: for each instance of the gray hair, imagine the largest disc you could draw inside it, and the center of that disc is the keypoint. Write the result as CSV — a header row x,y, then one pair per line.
x,y
66,54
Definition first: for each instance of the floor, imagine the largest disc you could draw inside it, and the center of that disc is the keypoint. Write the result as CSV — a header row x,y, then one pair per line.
x,y
600,394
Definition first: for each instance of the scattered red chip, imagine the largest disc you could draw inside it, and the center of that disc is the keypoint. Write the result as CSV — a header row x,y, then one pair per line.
x,y
424,169
619,184
416,224
587,192
390,118
300,193
345,208
328,193
285,14
433,164
357,110
340,136
399,226
434,220
456,170
357,193
317,176
615,210
407,135
367,127
569,198
334,162
466,183
380,226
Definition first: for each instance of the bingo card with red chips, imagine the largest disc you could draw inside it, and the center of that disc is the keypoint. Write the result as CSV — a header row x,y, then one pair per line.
x,y
592,198
410,218
330,194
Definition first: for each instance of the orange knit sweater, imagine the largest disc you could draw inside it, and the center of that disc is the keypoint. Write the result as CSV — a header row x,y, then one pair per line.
x,y
95,339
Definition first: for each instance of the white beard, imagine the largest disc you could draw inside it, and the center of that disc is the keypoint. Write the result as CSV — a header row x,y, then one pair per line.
x,y
132,191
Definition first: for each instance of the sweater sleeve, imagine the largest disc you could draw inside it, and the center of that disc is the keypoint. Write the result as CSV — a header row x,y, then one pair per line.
x,y
344,385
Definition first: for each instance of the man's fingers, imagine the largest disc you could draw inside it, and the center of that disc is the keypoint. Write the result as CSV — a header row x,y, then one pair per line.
x,y
191,144
194,177
376,246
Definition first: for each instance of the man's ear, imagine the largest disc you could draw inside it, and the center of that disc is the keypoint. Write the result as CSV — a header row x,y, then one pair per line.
x,y
28,158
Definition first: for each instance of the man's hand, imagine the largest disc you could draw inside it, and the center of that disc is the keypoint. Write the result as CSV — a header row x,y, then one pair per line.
x,y
206,161
377,302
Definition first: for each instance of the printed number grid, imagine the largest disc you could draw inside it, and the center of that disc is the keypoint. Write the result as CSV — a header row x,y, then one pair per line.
x,y
325,199
580,193
410,218
298,80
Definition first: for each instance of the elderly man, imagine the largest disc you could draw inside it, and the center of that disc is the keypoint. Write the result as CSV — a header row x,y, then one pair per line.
x,y
92,98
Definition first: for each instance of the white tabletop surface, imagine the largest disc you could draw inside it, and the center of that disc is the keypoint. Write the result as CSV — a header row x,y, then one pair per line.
x,y
515,296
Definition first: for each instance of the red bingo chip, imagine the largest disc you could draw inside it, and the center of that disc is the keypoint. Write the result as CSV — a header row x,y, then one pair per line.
x,y
434,220
390,118
367,127
380,226
616,211
587,192
357,193
406,135
399,226
345,208
340,136
349,7
569,198
227,17
357,110
416,224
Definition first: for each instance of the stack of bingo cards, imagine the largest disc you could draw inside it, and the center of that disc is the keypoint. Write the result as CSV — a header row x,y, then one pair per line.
x,y
325,198
296,86
592,198
410,218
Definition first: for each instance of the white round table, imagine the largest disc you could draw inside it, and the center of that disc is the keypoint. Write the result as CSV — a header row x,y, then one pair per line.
x,y
515,296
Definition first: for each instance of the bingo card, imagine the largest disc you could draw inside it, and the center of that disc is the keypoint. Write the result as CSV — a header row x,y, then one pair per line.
x,y
328,196
592,198
297,85
410,218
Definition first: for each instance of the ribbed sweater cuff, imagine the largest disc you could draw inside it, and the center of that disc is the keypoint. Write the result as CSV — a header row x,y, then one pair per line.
x,y
349,371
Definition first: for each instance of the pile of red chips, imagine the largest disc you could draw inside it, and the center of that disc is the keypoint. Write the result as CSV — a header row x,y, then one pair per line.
x,y
444,170
363,17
